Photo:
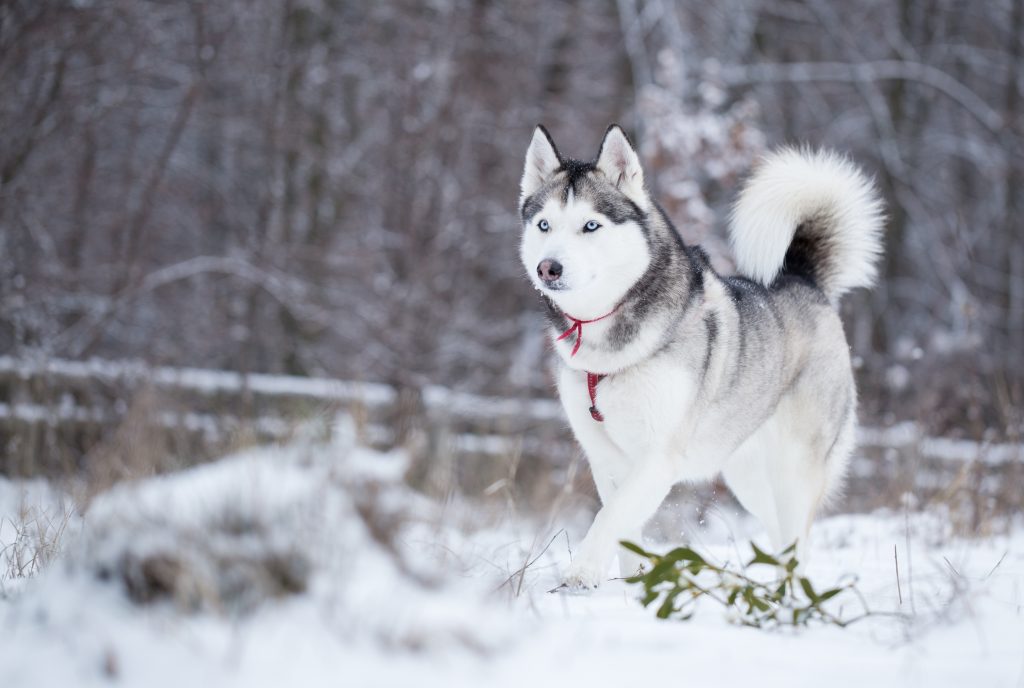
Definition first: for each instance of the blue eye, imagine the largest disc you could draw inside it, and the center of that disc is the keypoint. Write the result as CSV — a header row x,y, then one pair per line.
x,y
543,225
590,226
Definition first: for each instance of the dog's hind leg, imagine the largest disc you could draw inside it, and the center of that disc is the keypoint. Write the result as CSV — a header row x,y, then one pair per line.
x,y
797,477
746,474
815,440
779,475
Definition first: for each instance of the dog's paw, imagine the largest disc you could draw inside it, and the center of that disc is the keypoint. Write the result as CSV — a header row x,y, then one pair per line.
x,y
580,579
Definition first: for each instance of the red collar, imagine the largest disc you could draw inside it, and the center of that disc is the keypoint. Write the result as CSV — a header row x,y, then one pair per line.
x,y
592,378
577,327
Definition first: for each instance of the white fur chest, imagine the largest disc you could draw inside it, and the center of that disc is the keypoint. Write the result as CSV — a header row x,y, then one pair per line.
x,y
645,407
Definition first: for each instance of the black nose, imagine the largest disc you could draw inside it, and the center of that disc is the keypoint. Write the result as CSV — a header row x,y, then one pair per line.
x,y
549,270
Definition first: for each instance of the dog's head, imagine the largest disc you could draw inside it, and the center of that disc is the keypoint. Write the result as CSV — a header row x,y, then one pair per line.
x,y
584,244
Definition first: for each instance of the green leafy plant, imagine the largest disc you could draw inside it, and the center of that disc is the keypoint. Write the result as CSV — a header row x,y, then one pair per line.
x,y
678,580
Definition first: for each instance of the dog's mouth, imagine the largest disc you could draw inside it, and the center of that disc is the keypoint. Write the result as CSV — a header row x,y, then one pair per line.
x,y
557,285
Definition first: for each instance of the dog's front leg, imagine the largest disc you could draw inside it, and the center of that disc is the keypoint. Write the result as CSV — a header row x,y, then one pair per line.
x,y
628,509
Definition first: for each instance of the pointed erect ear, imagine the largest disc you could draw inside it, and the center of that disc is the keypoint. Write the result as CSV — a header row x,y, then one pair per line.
x,y
621,165
542,160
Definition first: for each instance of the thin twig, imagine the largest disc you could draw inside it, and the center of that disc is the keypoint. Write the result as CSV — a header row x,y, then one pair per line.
x,y
997,565
521,572
899,589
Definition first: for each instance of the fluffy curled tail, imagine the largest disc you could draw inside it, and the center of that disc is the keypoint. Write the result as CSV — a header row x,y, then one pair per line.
x,y
808,213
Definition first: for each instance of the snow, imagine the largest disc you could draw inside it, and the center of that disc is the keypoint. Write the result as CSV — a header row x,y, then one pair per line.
x,y
398,589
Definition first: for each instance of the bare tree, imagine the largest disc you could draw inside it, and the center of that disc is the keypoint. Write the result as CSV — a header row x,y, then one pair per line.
x,y
329,188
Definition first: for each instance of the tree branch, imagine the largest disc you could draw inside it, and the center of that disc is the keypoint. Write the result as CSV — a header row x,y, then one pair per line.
x,y
917,72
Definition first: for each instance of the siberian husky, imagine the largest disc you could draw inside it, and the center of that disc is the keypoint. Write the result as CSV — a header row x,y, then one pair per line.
x,y
671,372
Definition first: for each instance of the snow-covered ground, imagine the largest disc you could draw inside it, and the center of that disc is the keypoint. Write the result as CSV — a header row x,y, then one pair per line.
x,y
313,564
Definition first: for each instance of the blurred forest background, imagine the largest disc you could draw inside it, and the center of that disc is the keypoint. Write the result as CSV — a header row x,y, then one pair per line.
x,y
328,188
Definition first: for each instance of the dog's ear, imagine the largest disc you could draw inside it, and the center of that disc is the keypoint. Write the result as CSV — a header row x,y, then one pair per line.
x,y
619,162
542,160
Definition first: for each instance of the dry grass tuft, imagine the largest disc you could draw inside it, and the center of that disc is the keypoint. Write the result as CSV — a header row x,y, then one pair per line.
x,y
33,540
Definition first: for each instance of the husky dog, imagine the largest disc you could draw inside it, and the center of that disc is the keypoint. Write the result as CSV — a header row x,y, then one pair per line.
x,y
671,372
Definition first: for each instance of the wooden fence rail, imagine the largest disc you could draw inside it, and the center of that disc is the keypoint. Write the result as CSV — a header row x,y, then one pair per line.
x,y
60,417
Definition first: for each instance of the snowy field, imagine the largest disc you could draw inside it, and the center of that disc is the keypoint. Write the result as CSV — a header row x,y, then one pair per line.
x,y
313,564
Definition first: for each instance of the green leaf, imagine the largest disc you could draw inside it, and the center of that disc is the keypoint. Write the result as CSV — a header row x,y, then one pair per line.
x,y
662,571
650,597
636,549
685,554
668,606
829,594
748,597
809,591
762,557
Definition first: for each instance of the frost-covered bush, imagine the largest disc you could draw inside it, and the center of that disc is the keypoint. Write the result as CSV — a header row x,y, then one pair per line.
x,y
315,526
697,147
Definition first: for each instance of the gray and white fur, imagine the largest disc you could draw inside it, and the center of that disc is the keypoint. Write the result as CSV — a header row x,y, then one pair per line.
x,y
747,376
